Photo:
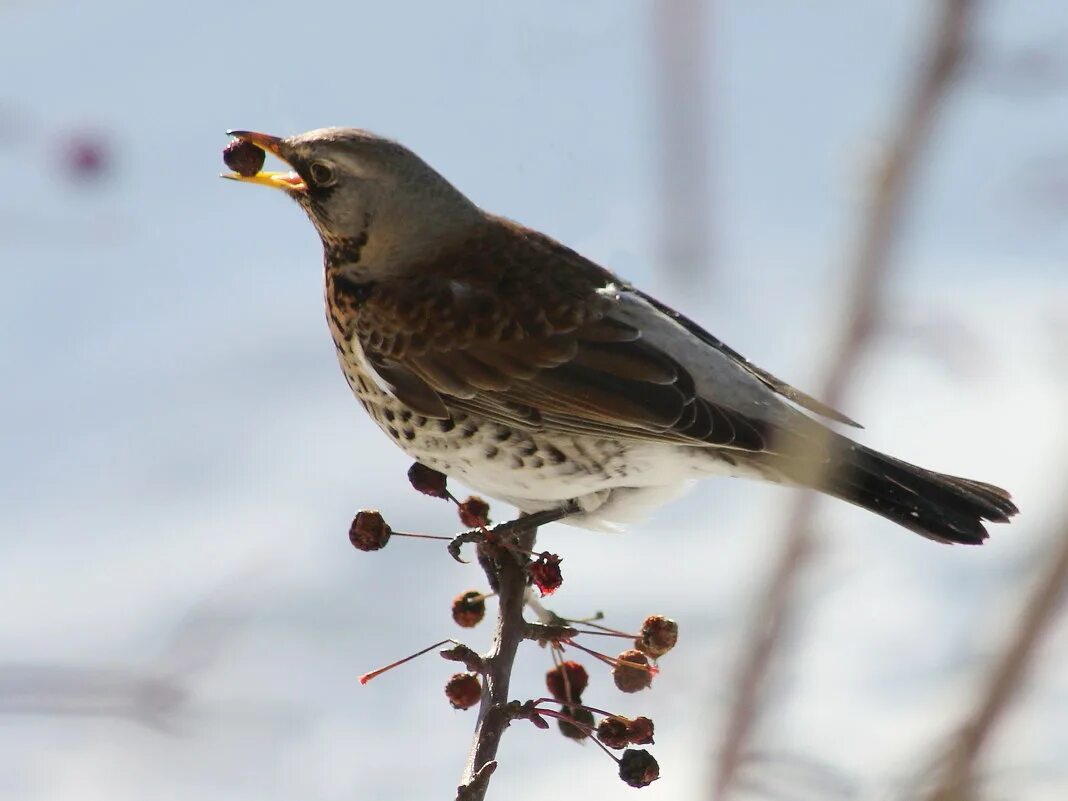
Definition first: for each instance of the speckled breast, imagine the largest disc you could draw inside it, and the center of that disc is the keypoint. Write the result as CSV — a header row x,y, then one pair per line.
x,y
500,460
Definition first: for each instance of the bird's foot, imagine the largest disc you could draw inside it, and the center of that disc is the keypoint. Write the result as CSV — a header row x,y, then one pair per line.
x,y
497,533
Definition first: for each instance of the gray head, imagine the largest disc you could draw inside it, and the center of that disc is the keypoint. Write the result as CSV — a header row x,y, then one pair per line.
x,y
376,205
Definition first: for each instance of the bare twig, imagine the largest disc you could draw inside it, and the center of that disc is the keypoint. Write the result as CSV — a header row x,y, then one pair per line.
x,y
501,529
493,717
864,312
462,653
1005,679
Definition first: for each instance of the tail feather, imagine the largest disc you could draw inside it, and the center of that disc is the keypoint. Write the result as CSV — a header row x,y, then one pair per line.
x,y
937,506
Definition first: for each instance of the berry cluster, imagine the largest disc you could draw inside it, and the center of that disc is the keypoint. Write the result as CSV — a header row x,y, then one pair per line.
x,y
632,670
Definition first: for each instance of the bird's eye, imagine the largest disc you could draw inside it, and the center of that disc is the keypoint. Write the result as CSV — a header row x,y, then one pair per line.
x,y
321,174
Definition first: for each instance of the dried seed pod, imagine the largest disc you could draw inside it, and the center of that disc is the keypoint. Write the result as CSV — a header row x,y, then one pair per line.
x,y
369,531
469,608
631,673
545,573
640,731
658,636
474,512
580,716
612,731
638,768
243,157
463,690
567,681
428,481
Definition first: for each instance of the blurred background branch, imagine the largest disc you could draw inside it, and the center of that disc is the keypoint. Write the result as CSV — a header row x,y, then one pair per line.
x,y
155,694
863,314
76,690
1009,672
681,114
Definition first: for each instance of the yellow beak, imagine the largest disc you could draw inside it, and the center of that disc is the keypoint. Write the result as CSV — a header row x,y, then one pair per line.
x,y
289,180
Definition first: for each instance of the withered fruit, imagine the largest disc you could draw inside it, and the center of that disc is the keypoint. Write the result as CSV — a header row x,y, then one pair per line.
x,y
243,157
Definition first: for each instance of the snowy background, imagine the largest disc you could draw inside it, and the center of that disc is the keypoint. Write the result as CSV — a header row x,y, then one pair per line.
x,y
182,615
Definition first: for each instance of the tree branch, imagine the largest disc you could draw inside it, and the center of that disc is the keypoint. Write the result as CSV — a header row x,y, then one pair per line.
x,y
864,311
1007,676
493,717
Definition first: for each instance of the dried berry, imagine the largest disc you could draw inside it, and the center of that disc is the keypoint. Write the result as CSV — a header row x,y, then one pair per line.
x,y
631,672
369,531
469,608
545,572
428,481
243,157
640,731
638,768
567,681
658,636
474,512
581,727
463,690
612,731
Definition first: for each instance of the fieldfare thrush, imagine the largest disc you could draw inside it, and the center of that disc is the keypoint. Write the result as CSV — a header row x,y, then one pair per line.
x,y
495,354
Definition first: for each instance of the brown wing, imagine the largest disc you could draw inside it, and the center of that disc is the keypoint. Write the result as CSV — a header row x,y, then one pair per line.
x,y
514,329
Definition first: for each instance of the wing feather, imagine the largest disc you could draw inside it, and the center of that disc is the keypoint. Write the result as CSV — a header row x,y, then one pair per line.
x,y
523,331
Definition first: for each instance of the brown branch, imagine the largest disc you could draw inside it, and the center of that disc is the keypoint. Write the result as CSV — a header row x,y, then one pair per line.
x,y
493,715
463,654
1006,678
864,312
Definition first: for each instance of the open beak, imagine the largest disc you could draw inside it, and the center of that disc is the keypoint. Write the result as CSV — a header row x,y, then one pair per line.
x,y
273,145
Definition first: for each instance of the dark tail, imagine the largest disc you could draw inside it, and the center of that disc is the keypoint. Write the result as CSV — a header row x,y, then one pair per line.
x,y
939,507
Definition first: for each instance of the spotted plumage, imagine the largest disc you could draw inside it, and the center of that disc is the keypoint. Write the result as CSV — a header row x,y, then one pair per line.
x,y
497,355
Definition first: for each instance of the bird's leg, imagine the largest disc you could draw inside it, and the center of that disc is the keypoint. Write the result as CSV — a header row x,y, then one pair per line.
x,y
491,542
487,560
523,522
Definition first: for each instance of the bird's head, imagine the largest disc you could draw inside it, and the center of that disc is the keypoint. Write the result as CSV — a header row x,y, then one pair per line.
x,y
377,206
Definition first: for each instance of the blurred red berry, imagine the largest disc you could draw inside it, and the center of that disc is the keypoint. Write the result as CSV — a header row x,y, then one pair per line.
x,y
612,732
658,636
567,681
428,481
243,157
582,725
631,673
474,512
545,572
469,608
640,731
369,531
638,768
463,690
86,157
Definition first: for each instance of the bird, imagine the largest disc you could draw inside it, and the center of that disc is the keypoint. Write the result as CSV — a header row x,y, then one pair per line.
x,y
498,356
